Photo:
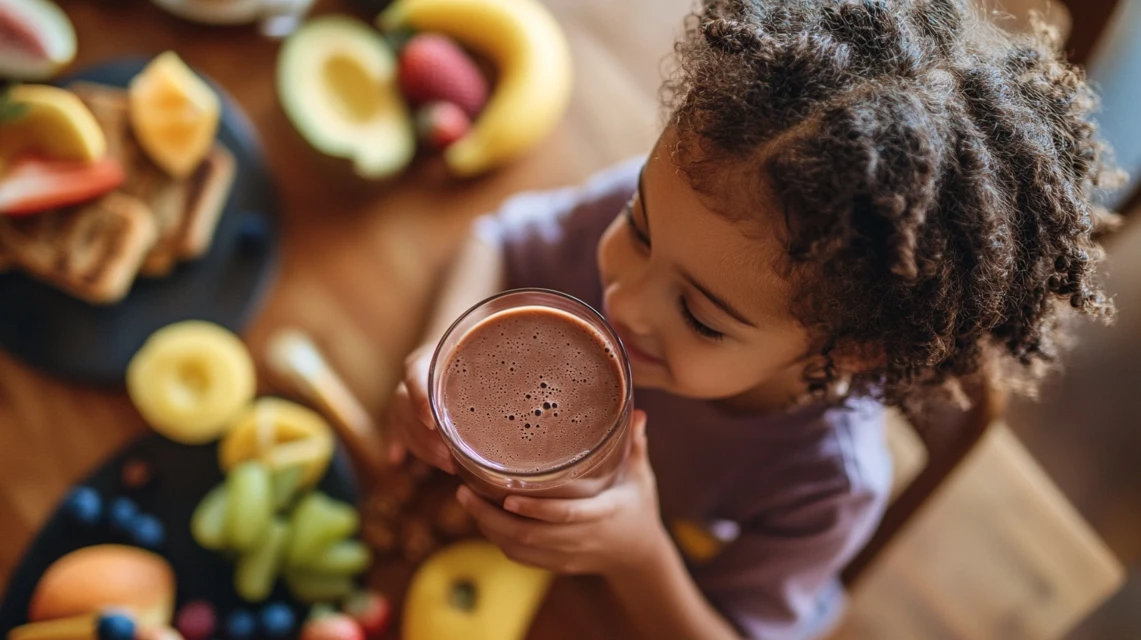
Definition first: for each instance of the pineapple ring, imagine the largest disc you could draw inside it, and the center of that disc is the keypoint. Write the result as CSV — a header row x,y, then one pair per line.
x,y
280,434
190,379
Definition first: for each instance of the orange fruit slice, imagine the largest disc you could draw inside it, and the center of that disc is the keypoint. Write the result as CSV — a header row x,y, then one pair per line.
x,y
53,123
174,114
280,434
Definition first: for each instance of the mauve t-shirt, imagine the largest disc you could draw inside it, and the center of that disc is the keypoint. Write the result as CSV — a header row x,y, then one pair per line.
x,y
790,497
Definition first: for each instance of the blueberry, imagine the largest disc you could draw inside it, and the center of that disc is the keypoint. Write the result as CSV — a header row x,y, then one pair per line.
x,y
277,620
84,506
116,626
253,231
147,531
241,625
121,514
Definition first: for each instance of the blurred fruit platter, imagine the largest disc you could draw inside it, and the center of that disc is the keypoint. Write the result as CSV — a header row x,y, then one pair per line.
x,y
116,219
240,519
138,233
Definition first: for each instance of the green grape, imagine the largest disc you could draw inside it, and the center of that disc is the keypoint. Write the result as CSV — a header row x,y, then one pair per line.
x,y
312,588
208,524
345,558
318,521
258,568
249,493
286,484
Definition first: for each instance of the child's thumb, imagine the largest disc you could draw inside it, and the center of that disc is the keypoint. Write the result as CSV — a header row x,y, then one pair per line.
x,y
639,442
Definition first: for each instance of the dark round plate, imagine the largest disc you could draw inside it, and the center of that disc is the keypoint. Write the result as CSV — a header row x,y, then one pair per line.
x,y
65,336
182,477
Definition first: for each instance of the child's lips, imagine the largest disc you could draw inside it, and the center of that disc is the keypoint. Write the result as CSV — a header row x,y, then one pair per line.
x,y
636,354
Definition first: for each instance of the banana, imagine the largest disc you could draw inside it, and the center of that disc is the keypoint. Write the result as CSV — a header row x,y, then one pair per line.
x,y
535,74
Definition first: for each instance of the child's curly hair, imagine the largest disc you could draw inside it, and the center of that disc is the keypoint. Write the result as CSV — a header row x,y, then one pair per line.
x,y
936,178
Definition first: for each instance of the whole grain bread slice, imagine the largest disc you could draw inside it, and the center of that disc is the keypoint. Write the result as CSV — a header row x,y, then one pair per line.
x,y
92,251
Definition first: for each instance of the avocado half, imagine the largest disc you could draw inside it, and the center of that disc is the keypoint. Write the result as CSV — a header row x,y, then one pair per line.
x,y
336,79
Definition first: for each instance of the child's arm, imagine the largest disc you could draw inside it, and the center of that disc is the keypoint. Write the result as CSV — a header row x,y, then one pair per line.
x,y
476,273
663,601
617,534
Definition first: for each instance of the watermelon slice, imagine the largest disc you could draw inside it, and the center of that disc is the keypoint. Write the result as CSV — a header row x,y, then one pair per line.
x,y
36,39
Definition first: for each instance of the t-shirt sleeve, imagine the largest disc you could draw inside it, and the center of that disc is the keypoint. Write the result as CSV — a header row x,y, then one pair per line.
x,y
549,239
778,580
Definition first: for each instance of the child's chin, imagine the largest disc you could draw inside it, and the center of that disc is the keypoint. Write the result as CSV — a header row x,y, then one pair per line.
x,y
649,376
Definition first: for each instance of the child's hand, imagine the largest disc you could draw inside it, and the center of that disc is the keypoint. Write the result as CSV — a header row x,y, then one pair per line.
x,y
410,425
618,530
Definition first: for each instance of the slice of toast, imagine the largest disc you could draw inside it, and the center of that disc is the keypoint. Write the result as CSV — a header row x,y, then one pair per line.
x,y
208,189
92,251
164,195
186,211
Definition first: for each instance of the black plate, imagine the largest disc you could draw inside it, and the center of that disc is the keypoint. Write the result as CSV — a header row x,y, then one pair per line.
x,y
183,475
65,336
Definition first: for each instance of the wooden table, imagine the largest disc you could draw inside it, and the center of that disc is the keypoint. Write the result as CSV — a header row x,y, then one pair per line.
x,y
360,261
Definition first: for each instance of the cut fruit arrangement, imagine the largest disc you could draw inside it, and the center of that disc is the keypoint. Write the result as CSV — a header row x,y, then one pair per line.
x,y
99,185
194,382
347,90
295,558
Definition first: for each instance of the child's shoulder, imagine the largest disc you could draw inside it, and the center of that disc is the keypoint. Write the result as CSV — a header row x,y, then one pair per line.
x,y
549,238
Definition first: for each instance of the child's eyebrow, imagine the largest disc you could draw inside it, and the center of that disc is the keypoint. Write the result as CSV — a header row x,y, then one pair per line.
x,y
642,199
719,301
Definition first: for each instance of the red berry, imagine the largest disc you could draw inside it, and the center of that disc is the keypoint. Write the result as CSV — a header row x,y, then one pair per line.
x,y
335,626
196,620
33,185
434,68
371,610
441,123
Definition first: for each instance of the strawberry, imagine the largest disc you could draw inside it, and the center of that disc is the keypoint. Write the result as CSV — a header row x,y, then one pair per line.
x,y
439,124
33,185
435,68
371,611
334,626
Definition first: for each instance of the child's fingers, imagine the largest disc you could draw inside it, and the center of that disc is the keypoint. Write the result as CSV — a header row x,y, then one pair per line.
x,y
638,440
564,511
416,382
396,452
495,521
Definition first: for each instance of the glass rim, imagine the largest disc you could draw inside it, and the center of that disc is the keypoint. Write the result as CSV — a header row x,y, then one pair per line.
x,y
456,444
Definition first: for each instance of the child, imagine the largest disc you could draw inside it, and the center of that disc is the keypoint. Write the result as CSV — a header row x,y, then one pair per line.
x,y
854,204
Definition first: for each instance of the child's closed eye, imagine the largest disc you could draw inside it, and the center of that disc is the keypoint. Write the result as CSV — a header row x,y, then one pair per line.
x,y
696,325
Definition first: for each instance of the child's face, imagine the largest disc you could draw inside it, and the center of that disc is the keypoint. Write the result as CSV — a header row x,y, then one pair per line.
x,y
698,303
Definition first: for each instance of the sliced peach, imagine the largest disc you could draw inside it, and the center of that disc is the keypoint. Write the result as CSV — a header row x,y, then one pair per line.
x,y
174,114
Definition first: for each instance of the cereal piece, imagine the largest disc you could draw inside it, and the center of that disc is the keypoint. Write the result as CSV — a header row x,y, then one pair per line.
x,y
452,520
136,474
380,537
417,540
381,506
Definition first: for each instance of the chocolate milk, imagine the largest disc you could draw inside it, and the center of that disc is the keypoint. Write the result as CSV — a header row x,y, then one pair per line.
x,y
534,389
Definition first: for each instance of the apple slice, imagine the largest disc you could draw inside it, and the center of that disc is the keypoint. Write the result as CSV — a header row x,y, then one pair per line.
x,y
344,558
208,524
249,497
38,39
33,185
317,522
257,569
